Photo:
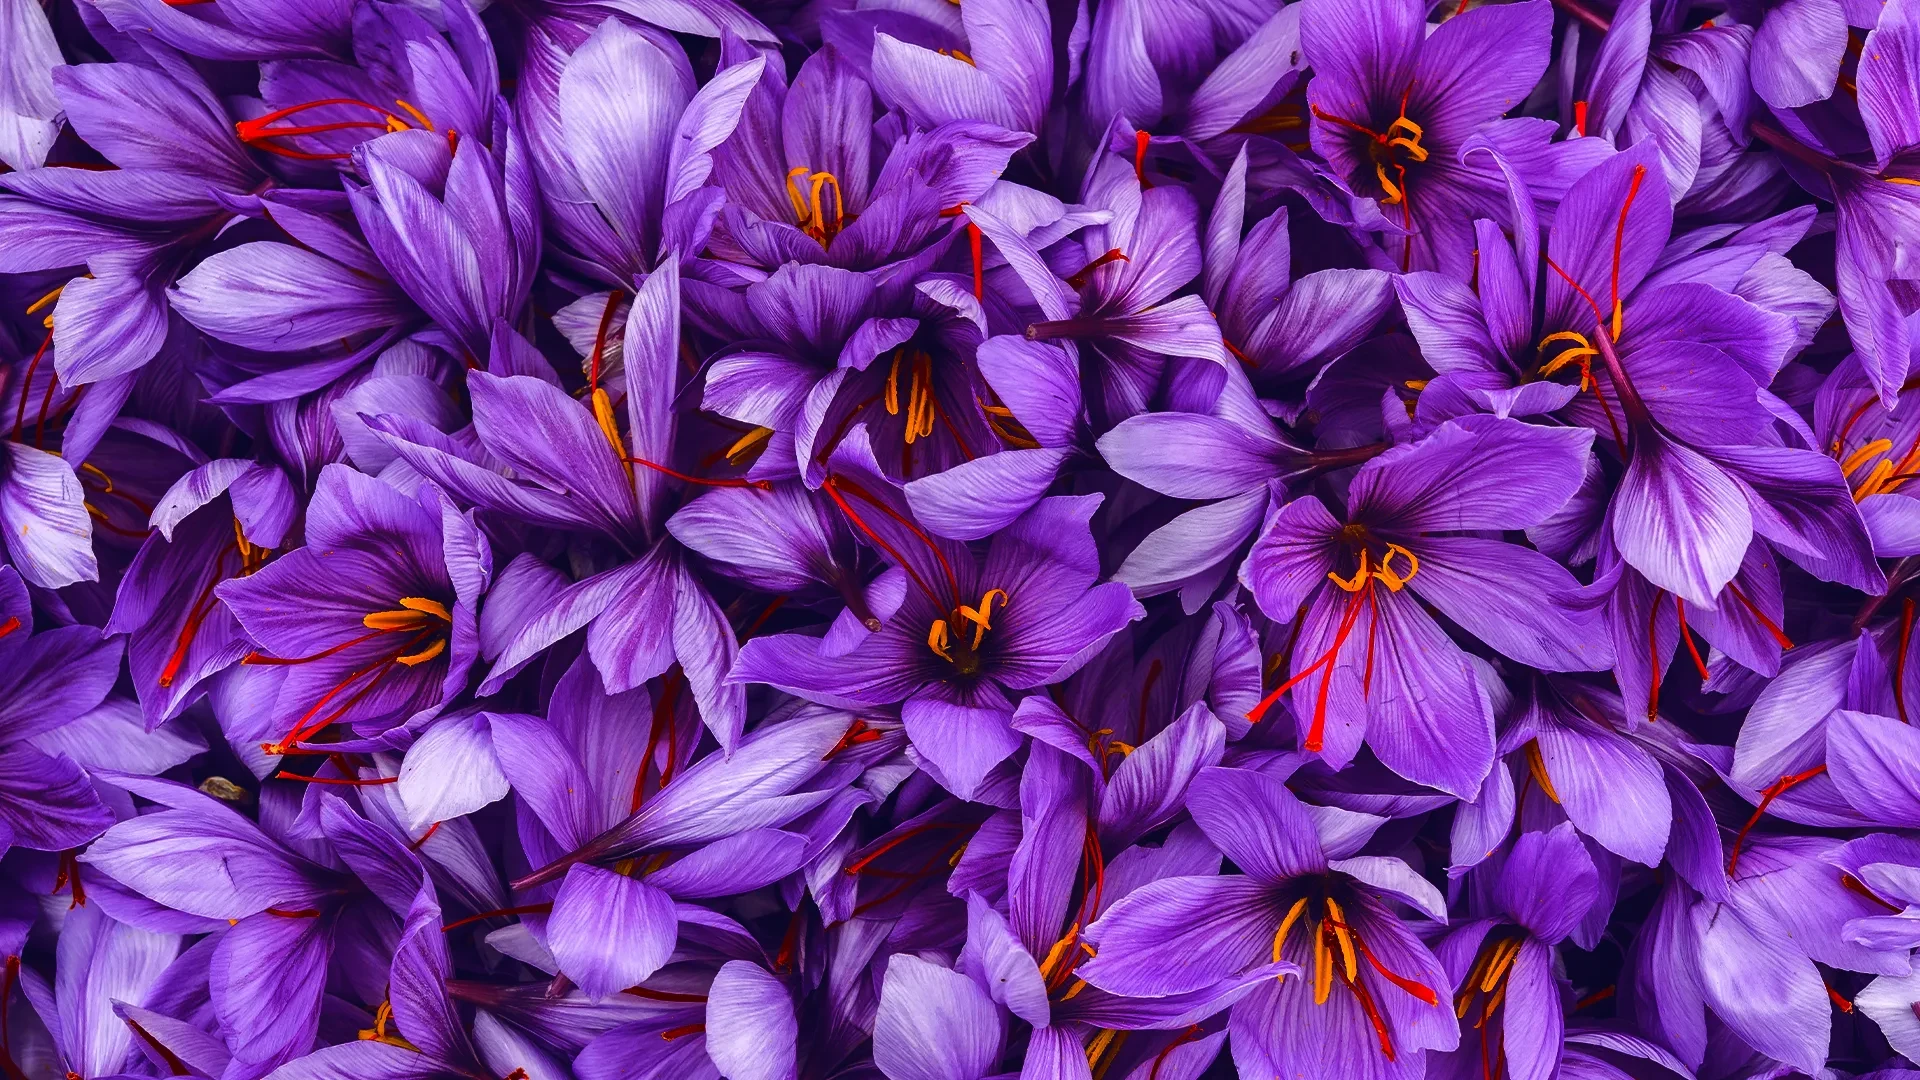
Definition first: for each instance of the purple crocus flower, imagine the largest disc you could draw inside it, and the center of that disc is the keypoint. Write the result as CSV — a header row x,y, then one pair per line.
x,y
98,963
1751,959
286,915
134,228
1367,1001
577,471
823,349
1633,792
998,69
1235,453
959,631
1878,449
1799,45
1653,349
254,32
457,226
719,804
803,183
220,521
375,619
1876,202
622,145
47,680
635,835
1395,109
48,533
318,308
1135,338
418,1031
1506,992
1368,661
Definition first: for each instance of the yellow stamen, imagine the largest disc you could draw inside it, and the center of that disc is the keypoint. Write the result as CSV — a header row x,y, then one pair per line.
x,y
431,607
820,181
794,196
1338,920
893,385
1537,766
394,620
1359,578
937,640
1286,924
980,616
378,1032
748,442
1875,479
1386,573
1910,181
1497,969
47,299
1394,194
411,111
439,646
1098,1045
1322,965
610,427
1410,146
1059,949
1864,454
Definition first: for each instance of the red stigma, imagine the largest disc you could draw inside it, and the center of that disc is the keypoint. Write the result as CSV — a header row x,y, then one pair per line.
x,y
1085,274
600,337
857,733
1767,795
498,913
258,132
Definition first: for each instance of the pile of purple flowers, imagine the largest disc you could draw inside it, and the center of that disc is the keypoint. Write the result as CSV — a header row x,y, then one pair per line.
x,y
947,539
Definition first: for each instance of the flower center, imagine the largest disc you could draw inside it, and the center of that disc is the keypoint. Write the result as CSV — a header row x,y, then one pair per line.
x,y
809,206
958,651
424,626
1487,981
1338,950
